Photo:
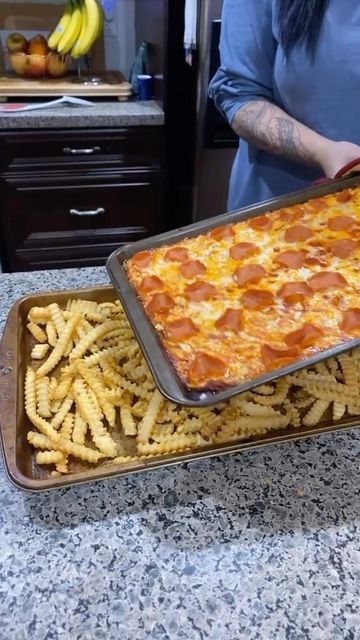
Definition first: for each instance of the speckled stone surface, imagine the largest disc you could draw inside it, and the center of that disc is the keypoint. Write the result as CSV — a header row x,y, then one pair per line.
x,y
260,545
102,114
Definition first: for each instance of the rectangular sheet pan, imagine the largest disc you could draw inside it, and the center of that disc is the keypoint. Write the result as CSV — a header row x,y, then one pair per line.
x,y
19,455
164,373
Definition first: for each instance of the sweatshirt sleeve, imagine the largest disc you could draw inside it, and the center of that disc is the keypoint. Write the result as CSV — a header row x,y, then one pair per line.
x,y
247,53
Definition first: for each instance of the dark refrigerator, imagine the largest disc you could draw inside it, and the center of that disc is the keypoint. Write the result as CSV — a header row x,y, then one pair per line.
x,y
200,145
215,143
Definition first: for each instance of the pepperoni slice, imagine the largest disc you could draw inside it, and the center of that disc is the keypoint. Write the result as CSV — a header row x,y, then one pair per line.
x,y
200,291
151,283
159,303
351,319
142,258
177,254
242,249
231,319
260,223
303,337
181,329
298,209
326,280
249,273
298,233
293,292
192,268
317,242
344,196
341,223
284,214
205,366
291,259
319,204
219,233
343,248
295,212
257,299
311,260
278,356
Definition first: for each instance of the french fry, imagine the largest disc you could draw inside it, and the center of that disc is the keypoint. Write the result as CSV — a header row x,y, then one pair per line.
x,y
127,421
63,388
60,347
316,412
30,407
62,412
80,429
89,339
339,411
59,323
38,440
57,317
93,380
37,332
39,351
67,426
101,437
39,315
49,457
65,446
171,444
79,451
42,395
51,333
149,419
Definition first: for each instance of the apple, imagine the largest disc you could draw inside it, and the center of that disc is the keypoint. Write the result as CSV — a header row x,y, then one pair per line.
x,y
38,45
37,65
56,64
19,62
16,42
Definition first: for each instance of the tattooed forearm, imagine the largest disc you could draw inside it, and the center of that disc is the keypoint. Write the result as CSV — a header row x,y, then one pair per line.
x,y
268,127
290,141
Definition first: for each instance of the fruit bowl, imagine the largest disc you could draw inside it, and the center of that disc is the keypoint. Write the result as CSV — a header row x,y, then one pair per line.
x,y
35,65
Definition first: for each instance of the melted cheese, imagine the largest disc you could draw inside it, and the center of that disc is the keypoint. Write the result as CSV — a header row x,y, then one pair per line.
x,y
240,352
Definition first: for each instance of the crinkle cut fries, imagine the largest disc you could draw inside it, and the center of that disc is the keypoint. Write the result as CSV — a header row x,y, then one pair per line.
x,y
90,396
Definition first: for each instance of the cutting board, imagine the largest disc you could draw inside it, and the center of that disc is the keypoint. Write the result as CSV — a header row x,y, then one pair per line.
x,y
112,84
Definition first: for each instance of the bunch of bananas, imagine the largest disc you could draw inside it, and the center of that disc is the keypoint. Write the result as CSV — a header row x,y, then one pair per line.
x,y
78,28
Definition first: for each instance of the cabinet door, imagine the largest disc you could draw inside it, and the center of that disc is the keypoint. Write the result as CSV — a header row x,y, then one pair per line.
x,y
66,225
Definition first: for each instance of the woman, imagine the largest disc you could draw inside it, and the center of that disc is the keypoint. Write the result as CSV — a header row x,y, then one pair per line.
x,y
289,84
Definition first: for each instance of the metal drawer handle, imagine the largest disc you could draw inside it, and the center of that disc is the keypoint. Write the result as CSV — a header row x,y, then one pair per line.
x,y
78,152
89,212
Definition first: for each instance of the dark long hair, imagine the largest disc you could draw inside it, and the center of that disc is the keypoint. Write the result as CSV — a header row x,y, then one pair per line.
x,y
300,22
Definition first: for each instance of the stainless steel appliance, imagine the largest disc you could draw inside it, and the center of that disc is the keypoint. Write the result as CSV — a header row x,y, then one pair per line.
x,y
216,143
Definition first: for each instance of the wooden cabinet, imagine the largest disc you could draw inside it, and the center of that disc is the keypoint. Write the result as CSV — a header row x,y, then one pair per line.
x,y
69,198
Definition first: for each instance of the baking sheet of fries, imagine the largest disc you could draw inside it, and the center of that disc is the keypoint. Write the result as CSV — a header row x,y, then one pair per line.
x,y
78,403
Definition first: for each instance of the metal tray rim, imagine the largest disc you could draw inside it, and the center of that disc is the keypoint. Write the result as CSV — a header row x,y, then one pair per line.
x,y
31,485
161,368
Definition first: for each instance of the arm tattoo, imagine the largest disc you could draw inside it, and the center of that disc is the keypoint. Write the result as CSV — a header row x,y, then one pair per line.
x,y
268,127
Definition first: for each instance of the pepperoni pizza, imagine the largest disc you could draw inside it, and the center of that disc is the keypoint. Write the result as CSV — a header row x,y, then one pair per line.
x,y
258,294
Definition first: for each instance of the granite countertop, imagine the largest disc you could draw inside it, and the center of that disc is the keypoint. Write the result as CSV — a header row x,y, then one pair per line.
x,y
102,114
258,545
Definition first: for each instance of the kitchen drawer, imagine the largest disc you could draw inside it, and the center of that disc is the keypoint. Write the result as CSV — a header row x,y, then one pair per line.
x,y
132,146
65,225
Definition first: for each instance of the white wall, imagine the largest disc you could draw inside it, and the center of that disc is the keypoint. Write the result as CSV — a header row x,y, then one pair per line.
x,y
120,37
